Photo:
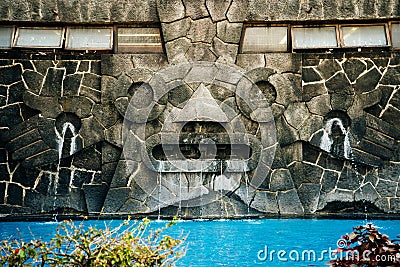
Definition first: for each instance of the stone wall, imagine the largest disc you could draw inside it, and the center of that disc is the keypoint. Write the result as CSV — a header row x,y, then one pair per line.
x,y
323,128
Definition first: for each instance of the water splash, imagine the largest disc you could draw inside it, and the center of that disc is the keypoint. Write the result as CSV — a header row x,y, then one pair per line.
x,y
327,141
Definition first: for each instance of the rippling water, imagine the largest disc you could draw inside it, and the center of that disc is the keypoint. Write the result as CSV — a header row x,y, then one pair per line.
x,y
239,242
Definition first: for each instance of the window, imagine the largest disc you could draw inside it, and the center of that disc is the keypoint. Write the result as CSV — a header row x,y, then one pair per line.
x,y
6,36
314,37
79,38
265,39
358,36
39,37
396,35
139,40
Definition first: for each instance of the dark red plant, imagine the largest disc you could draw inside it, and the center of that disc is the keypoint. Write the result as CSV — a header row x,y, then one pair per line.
x,y
365,247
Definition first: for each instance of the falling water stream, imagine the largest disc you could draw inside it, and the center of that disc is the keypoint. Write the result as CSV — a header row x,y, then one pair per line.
x,y
60,141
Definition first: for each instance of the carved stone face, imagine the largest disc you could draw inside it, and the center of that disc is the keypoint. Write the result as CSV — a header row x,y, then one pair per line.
x,y
201,148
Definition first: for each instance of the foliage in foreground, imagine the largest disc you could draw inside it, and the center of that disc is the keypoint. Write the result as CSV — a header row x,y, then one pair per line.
x,y
129,244
366,247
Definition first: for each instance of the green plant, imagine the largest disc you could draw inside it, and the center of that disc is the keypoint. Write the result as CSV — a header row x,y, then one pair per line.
x,y
366,247
129,244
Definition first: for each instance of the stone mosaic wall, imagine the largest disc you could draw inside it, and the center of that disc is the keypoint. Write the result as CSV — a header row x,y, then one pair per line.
x,y
64,123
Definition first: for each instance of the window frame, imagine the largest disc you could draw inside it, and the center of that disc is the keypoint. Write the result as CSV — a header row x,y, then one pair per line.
x,y
116,41
387,35
337,36
390,26
16,36
67,36
12,36
254,25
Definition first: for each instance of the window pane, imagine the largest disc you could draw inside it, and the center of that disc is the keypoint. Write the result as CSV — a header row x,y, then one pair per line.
x,y
89,38
396,35
139,40
364,35
39,37
321,37
6,37
265,39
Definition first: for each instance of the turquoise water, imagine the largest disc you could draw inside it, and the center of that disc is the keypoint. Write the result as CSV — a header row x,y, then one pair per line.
x,y
242,242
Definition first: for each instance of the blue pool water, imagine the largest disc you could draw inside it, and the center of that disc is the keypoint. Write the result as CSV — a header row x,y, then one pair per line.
x,y
242,242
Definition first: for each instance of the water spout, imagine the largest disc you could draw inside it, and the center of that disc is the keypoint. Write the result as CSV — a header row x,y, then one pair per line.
x,y
329,144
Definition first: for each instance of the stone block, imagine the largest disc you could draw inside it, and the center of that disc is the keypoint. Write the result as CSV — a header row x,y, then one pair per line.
x,y
296,114
81,106
115,65
53,82
10,74
106,114
123,172
176,29
313,90
320,104
237,11
391,115
195,9
89,159
289,203
95,195
33,80
365,158
96,130
72,84
341,101
34,200
25,177
375,149
309,75
2,192
354,68
265,202
81,178
281,180
250,61
218,9
392,76
229,32
4,174
177,49
14,195
9,115
287,93
226,52
310,126
386,188
286,134
394,205
309,196
202,30
283,62
328,68
329,181
115,199
305,173
390,171
366,192
368,81
339,84
349,179
169,11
